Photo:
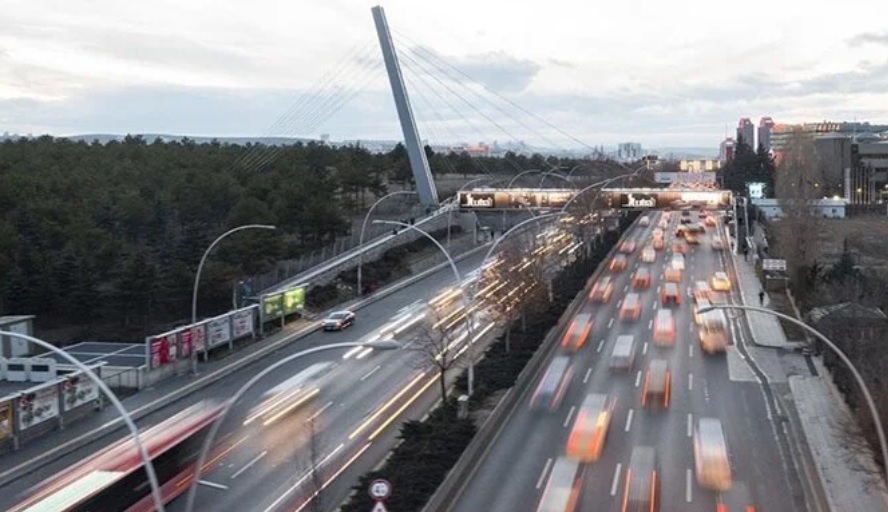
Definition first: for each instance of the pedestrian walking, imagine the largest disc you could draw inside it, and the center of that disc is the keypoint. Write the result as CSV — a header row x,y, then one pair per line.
x,y
761,298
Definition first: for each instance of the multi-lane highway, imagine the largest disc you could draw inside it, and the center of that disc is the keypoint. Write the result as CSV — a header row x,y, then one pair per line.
x,y
361,397
515,471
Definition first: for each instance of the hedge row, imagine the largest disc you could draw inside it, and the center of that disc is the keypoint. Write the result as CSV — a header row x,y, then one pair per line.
x,y
429,449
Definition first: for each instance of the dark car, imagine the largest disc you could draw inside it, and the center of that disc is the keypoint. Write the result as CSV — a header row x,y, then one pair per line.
x,y
338,320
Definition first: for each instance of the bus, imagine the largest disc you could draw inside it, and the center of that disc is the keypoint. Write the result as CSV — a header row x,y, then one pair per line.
x,y
114,479
713,332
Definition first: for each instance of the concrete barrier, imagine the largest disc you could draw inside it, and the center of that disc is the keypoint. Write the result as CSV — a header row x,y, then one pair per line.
x,y
465,468
108,428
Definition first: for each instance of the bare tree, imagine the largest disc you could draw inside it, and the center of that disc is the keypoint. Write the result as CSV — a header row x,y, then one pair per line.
x,y
797,186
435,344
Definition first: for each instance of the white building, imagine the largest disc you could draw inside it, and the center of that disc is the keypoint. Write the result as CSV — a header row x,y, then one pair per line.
x,y
827,208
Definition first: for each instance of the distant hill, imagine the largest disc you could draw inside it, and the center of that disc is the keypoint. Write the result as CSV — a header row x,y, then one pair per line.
x,y
690,153
104,138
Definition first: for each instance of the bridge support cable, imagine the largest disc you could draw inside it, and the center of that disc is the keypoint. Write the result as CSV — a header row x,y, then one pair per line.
x,y
434,59
428,123
322,111
423,70
500,96
283,125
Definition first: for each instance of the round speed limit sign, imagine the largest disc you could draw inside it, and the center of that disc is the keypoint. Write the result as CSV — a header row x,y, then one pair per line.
x,y
380,489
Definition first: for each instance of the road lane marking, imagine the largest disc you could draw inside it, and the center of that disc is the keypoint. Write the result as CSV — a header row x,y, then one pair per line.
x,y
638,378
690,382
543,474
320,411
690,350
371,372
650,324
691,327
688,485
570,413
690,424
600,346
589,371
629,420
214,485
610,323
250,464
626,288
644,349
616,480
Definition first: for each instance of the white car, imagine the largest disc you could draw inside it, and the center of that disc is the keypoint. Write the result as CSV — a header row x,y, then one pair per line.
x,y
648,254
678,261
644,221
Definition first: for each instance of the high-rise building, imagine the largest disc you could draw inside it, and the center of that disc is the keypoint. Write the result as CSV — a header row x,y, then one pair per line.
x,y
766,124
629,151
726,150
746,132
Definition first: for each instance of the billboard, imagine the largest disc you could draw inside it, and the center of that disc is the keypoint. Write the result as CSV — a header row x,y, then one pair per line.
x,y
77,390
199,337
38,405
294,300
272,306
218,331
664,177
5,419
698,165
665,199
755,190
242,322
159,350
514,199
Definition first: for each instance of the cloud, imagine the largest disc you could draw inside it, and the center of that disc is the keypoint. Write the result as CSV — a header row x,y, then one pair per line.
x,y
869,38
499,71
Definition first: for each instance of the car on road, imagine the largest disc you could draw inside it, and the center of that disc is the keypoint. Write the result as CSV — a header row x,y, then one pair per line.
x,y
710,221
618,263
627,247
658,244
702,291
721,282
644,221
678,261
589,431
623,353
648,254
602,290
655,392
679,246
670,294
657,233
631,308
642,484
717,244
575,337
711,462
672,275
692,239
664,328
338,320
563,487
642,279
735,500
701,303
550,390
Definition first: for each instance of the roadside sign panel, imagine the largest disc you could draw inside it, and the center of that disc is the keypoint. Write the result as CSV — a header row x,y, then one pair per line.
x,y
272,306
38,405
186,342
219,331
294,300
160,353
379,507
172,342
380,489
77,390
242,323
199,337
5,419
772,264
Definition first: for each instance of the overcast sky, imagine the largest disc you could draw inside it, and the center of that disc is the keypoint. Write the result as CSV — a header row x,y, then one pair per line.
x,y
556,73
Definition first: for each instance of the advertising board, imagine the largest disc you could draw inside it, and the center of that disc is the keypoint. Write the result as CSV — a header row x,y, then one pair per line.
x,y
219,331
38,405
294,300
514,199
77,390
242,322
5,419
159,351
272,306
666,199
199,337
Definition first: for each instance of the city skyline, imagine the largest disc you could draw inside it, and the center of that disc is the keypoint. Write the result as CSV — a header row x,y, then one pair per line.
x,y
229,72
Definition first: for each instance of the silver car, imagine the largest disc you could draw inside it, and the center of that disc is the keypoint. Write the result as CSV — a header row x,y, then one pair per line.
x,y
338,320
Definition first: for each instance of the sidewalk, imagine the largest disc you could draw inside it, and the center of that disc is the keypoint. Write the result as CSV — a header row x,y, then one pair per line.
x,y
819,406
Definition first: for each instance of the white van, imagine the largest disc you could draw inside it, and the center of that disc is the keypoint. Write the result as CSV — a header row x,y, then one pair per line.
x,y
623,354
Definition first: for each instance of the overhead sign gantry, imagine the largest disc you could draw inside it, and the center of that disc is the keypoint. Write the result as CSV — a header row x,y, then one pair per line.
x,y
489,199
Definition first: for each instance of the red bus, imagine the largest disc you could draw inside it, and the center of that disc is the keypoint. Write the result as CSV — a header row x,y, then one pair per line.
x,y
114,479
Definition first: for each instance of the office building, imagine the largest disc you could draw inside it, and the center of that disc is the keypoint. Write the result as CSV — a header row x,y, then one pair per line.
x,y
766,124
726,150
746,132
629,151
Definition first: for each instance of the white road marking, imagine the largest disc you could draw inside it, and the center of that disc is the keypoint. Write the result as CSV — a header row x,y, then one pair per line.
x,y
371,372
626,288
589,371
688,485
690,350
600,346
644,349
691,327
629,420
320,411
248,465
570,413
543,474
616,480
638,378
690,424
214,485
610,323
650,324
690,382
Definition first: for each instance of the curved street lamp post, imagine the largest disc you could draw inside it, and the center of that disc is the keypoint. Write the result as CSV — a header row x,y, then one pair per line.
x,y
203,260
870,403
124,414
214,429
359,290
466,299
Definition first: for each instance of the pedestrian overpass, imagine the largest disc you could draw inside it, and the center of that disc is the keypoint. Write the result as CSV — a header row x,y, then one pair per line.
x,y
518,199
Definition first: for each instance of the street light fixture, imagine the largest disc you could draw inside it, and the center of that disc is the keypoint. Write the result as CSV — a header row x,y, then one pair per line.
x,y
197,278
127,418
871,404
364,228
387,344
552,172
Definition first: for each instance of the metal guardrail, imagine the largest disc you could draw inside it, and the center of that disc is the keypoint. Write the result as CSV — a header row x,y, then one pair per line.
x,y
336,261
465,468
